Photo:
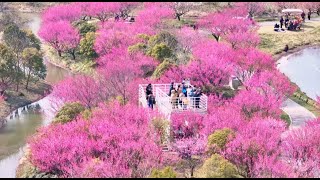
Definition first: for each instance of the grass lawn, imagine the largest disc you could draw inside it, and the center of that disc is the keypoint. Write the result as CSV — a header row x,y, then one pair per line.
x,y
264,19
286,118
274,42
23,97
81,64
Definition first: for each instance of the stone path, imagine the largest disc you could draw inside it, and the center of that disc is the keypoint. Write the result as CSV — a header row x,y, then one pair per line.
x,y
298,114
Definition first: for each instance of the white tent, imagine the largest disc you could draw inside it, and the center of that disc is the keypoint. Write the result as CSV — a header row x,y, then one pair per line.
x,y
292,11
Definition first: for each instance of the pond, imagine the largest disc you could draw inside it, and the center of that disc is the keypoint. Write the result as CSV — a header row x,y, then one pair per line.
x,y
24,122
303,68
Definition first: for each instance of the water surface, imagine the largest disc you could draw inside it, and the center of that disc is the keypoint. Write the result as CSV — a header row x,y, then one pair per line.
x,y
303,68
22,123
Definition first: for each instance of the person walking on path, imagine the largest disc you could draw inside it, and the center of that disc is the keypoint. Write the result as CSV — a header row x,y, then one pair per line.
x,y
309,15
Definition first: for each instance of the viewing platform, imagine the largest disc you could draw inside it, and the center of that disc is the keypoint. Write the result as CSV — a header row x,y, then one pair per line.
x,y
168,105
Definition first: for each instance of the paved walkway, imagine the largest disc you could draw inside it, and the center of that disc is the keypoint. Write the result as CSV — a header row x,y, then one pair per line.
x,y
272,23
298,114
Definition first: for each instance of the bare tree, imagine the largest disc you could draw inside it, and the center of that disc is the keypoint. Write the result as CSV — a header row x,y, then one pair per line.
x,y
3,6
182,8
10,17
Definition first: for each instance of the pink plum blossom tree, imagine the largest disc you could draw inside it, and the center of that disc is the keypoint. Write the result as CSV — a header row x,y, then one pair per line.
x,y
186,125
82,88
227,22
61,36
300,149
188,148
114,143
261,137
253,8
62,12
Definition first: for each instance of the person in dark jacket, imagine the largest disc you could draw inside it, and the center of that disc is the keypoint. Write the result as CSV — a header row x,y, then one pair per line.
x,y
151,100
148,90
184,89
171,88
197,96
303,15
286,22
286,48
309,15
281,22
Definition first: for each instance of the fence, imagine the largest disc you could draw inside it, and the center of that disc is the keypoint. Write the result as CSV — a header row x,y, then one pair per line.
x,y
168,105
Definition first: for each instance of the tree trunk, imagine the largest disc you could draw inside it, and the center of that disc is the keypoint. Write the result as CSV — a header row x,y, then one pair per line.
x,y
191,171
59,52
178,16
28,79
216,37
17,87
73,54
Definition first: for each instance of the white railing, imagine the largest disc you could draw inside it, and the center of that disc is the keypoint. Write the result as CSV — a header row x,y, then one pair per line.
x,y
168,105
142,96
163,102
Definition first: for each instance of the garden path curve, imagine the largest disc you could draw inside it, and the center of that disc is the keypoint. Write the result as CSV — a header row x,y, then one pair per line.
x,y
298,114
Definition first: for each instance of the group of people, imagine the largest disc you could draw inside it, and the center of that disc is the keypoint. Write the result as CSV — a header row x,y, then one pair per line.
x,y
292,25
184,95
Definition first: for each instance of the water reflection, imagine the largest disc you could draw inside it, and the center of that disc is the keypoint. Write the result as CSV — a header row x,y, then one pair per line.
x,y
303,68
23,122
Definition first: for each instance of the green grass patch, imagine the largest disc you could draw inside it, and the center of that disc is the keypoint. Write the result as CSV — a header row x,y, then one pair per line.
x,y
175,24
265,19
311,108
274,42
80,64
286,118
305,101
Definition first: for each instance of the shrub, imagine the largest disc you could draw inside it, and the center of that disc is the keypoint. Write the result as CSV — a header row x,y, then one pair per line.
x,y
164,37
84,27
68,112
160,125
217,167
144,37
219,139
285,117
86,114
161,68
167,172
137,47
86,45
160,51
